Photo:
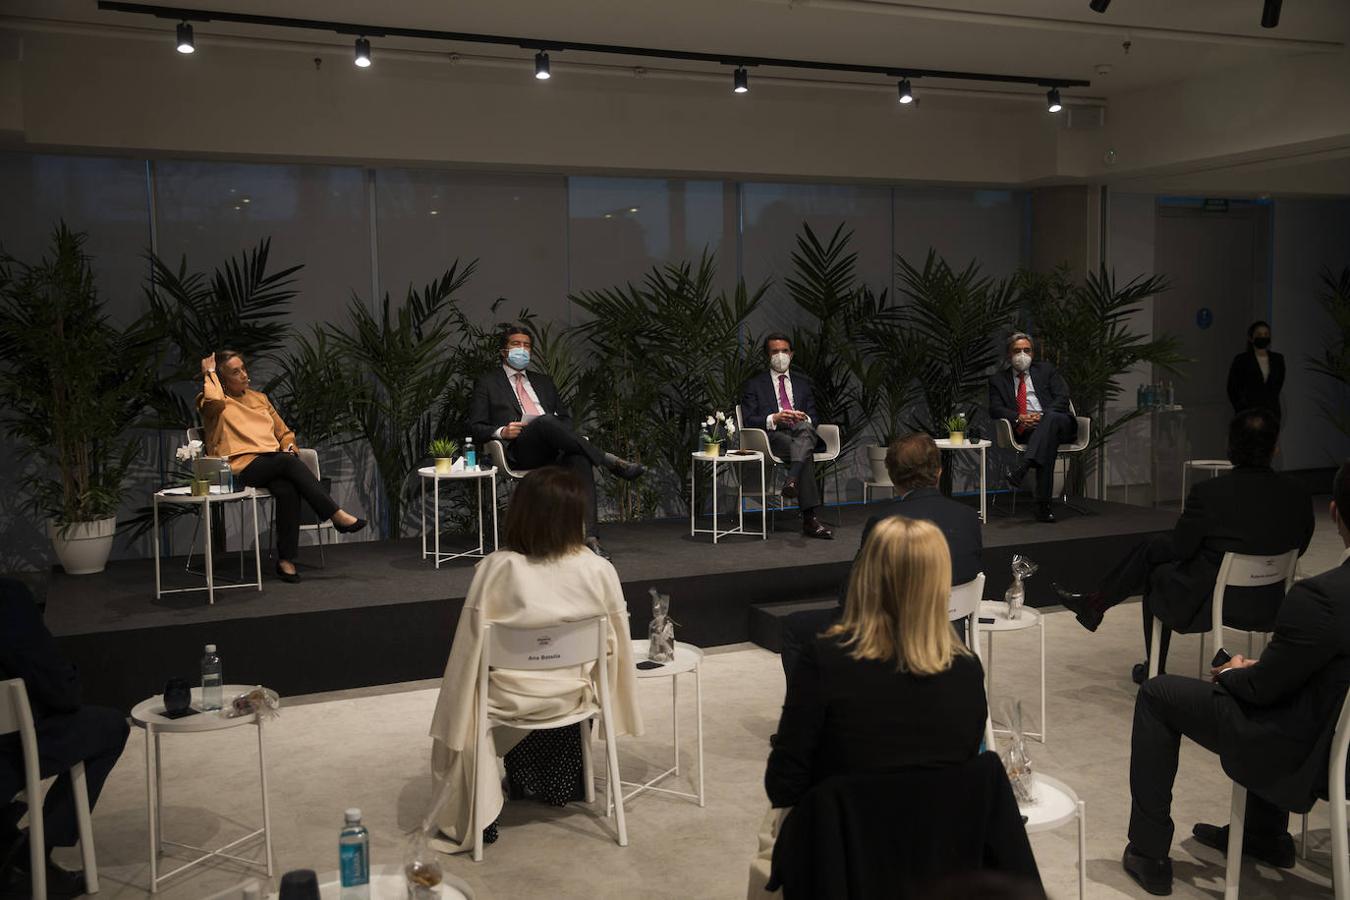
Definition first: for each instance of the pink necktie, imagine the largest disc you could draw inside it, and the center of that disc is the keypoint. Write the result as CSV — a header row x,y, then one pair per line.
x,y
783,401
528,406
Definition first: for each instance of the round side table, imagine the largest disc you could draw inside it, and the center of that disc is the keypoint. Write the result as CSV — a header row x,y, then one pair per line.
x,y
429,473
1055,804
149,715
739,458
994,618
982,446
1212,466
183,496
688,660
388,883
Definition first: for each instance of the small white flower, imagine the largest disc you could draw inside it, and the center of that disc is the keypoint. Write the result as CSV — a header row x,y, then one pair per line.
x,y
195,446
721,416
711,421
731,427
183,454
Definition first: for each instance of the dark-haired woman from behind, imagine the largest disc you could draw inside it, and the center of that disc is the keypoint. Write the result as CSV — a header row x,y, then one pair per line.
x,y
1256,376
546,575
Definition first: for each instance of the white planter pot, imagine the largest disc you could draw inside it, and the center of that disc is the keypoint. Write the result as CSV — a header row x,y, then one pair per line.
x,y
876,460
83,548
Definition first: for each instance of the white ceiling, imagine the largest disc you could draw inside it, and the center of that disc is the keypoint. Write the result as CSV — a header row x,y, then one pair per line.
x,y
1170,40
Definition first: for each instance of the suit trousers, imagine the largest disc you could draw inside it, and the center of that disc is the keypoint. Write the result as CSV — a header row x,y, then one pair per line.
x,y
289,479
548,441
94,735
797,444
1166,708
1135,574
1042,443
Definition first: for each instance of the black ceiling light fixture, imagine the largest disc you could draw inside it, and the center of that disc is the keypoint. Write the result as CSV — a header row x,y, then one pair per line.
x,y
185,42
741,81
1052,103
906,92
1099,6
1270,13
362,53
541,66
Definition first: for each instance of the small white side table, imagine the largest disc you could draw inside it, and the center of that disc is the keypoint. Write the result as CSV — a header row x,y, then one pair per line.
x,y
870,486
981,446
688,659
1212,466
1056,804
429,473
149,715
183,495
751,456
998,612
388,883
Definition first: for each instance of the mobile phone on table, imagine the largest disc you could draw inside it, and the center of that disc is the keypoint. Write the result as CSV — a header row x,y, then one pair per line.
x,y
1222,658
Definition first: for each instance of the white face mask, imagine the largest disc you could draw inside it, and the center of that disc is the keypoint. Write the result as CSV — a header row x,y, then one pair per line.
x,y
1021,361
779,361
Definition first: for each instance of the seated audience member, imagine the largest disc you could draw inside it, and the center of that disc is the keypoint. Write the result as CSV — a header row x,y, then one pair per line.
x,y
915,466
523,410
887,687
1251,509
1270,720
545,576
784,404
67,733
1034,398
242,426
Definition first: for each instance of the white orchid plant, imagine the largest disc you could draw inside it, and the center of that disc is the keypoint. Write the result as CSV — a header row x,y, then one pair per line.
x,y
717,428
189,451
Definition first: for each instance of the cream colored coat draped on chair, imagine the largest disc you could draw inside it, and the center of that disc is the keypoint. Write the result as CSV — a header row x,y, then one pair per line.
x,y
512,589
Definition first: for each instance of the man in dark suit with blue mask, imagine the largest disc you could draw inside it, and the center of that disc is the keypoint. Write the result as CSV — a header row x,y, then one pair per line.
x,y
783,403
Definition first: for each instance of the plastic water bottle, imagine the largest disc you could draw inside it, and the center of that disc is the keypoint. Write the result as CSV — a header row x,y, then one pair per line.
x,y
470,454
212,679
354,856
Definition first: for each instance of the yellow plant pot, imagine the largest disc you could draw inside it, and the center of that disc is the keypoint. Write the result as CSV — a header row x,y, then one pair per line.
x,y
445,463
957,437
712,448
201,487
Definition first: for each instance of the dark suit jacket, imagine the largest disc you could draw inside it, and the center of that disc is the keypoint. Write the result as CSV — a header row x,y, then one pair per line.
x,y
1248,390
1289,701
494,403
759,397
28,651
959,523
1051,390
846,716
1249,510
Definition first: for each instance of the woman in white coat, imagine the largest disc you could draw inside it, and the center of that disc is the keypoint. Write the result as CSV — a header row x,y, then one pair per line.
x,y
545,576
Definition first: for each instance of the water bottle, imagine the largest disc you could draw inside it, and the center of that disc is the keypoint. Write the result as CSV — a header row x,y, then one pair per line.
x,y
212,679
354,857
470,454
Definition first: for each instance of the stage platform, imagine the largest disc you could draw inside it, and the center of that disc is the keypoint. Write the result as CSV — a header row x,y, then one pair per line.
x,y
378,613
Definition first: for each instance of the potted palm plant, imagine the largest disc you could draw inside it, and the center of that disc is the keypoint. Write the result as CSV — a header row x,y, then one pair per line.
x,y
443,451
72,383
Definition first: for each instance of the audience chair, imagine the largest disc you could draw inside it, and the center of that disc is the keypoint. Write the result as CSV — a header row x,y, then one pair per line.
x,y
1340,841
1236,570
758,439
16,715
965,604
569,644
1006,439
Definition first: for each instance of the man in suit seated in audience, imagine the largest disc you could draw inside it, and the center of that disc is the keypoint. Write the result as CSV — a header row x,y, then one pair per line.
x,y
523,410
783,403
1251,509
1270,720
1034,398
67,733
915,466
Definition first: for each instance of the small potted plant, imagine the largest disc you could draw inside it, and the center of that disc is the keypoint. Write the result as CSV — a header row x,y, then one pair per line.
x,y
443,450
189,453
956,427
716,429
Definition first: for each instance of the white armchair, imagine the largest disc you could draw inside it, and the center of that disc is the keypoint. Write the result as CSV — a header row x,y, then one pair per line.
x,y
758,439
1007,440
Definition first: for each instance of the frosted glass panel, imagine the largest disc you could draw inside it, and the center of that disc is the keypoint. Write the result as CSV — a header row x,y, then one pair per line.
x,y
988,226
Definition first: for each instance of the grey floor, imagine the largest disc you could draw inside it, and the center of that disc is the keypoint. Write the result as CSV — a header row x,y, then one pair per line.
x,y
369,749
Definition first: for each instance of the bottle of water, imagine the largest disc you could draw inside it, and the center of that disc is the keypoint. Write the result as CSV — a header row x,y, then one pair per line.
x,y
212,679
470,454
354,857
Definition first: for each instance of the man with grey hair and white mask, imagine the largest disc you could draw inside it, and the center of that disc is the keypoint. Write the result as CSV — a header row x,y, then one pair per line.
x,y
1034,398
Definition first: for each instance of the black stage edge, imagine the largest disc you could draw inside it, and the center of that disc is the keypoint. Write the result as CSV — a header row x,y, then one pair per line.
x,y
379,613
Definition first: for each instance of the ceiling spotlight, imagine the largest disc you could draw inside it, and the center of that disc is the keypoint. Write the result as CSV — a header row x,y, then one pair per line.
x,y
541,66
1270,13
906,92
185,44
363,53
1099,6
1052,103
742,80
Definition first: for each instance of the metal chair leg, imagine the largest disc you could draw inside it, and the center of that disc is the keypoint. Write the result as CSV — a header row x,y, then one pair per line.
x,y
319,534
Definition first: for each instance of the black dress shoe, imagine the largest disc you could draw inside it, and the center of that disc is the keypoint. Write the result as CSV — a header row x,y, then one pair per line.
x,y
628,471
1139,672
61,883
1080,605
1043,513
1277,851
348,529
1153,875
1013,476
814,529
790,489
288,577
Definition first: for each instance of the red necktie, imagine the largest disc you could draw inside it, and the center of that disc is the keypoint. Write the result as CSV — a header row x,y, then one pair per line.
x,y
783,401
1021,398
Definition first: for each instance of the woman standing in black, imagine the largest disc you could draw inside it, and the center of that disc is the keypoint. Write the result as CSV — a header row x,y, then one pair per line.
x,y
1257,375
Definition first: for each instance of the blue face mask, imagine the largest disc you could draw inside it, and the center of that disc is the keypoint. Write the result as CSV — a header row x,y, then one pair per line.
x,y
518,358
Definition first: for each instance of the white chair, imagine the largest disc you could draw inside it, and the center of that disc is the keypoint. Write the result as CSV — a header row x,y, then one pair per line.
x,y
758,439
567,644
965,604
1007,440
16,715
1340,841
1236,570
496,451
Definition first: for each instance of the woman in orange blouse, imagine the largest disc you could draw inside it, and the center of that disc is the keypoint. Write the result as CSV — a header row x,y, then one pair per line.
x,y
242,426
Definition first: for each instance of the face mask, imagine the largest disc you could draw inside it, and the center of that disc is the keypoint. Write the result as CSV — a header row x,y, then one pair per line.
x,y
1021,361
1261,343
517,357
779,362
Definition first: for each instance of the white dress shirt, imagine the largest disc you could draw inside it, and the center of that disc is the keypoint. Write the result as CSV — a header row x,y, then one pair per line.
x,y
529,389
787,385
1033,402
